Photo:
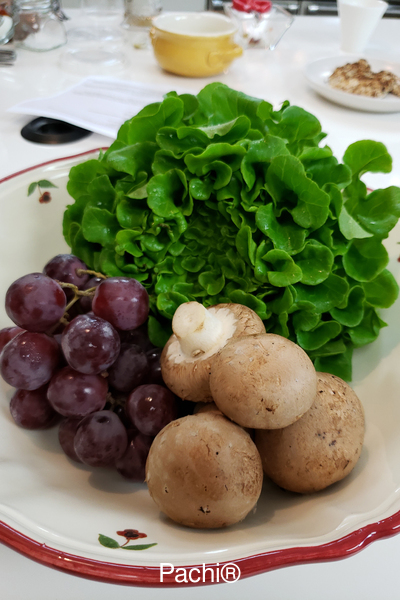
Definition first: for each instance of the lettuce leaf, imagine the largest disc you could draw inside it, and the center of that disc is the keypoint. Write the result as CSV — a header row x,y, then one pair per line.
x,y
220,198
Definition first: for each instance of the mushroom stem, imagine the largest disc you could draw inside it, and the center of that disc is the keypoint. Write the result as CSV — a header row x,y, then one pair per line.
x,y
196,328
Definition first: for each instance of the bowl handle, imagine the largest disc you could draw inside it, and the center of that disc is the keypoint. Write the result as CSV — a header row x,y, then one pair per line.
x,y
223,57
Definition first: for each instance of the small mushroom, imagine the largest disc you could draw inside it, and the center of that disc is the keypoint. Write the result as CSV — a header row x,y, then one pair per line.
x,y
203,471
320,448
263,381
199,333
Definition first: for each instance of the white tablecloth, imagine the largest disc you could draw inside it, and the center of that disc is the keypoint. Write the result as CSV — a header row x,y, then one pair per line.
x,y
275,76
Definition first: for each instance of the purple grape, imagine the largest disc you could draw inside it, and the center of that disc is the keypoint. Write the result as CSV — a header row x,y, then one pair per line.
x,y
138,336
63,362
75,309
7,334
74,394
116,401
57,337
151,407
30,360
31,410
132,464
116,397
63,267
153,357
66,437
121,412
35,302
130,369
101,439
86,301
122,301
90,344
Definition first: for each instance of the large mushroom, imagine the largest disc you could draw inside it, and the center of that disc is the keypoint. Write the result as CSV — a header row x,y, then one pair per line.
x,y
204,471
263,381
320,448
199,333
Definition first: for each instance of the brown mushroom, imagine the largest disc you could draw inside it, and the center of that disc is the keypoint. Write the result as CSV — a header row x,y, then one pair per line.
x,y
204,471
263,381
199,333
320,448
202,407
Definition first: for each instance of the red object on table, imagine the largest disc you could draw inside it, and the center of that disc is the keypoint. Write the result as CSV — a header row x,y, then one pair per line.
x,y
260,6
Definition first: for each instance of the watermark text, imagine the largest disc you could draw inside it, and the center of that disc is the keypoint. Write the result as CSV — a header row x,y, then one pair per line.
x,y
226,573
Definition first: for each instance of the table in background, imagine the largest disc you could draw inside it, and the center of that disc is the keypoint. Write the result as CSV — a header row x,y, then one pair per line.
x,y
277,76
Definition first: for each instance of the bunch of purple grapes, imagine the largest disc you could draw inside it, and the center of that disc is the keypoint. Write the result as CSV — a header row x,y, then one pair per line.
x,y
79,353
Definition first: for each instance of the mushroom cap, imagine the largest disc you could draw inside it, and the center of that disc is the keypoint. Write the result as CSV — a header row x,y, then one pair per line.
x,y
202,407
188,378
204,471
263,381
320,448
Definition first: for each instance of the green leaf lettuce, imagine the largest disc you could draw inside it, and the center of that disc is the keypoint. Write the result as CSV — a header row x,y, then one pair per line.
x,y
220,198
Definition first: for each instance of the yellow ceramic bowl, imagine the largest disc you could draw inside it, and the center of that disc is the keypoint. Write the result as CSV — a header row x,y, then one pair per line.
x,y
194,44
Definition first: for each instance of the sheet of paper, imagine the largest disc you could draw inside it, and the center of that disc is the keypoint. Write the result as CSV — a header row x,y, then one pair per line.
x,y
99,104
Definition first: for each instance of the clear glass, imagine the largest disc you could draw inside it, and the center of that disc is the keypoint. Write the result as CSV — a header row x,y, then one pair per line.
x,y
260,30
7,21
6,29
138,20
106,12
39,25
95,47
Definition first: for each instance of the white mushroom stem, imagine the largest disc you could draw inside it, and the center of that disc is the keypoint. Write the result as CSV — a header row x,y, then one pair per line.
x,y
196,328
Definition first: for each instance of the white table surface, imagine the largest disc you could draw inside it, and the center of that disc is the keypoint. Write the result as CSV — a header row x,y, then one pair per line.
x,y
374,572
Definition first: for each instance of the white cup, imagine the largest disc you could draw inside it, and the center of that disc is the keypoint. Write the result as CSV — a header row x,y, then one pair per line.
x,y
358,19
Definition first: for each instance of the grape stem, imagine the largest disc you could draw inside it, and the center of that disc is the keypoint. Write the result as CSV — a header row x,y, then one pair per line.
x,y
76,290
80,272
114,401
77,294
71,303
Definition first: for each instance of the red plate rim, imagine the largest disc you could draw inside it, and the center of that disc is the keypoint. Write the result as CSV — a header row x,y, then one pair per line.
x,y
149,576
50,162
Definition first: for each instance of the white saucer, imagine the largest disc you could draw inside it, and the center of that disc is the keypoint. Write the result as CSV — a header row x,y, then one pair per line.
x,y
317,74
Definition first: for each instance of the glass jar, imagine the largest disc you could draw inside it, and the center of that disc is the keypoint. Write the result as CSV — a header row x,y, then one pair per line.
x,y
138,20
7,21
260,23
40,25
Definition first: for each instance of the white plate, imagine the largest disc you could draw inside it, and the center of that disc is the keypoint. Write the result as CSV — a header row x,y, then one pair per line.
x,y
53,510
317,74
